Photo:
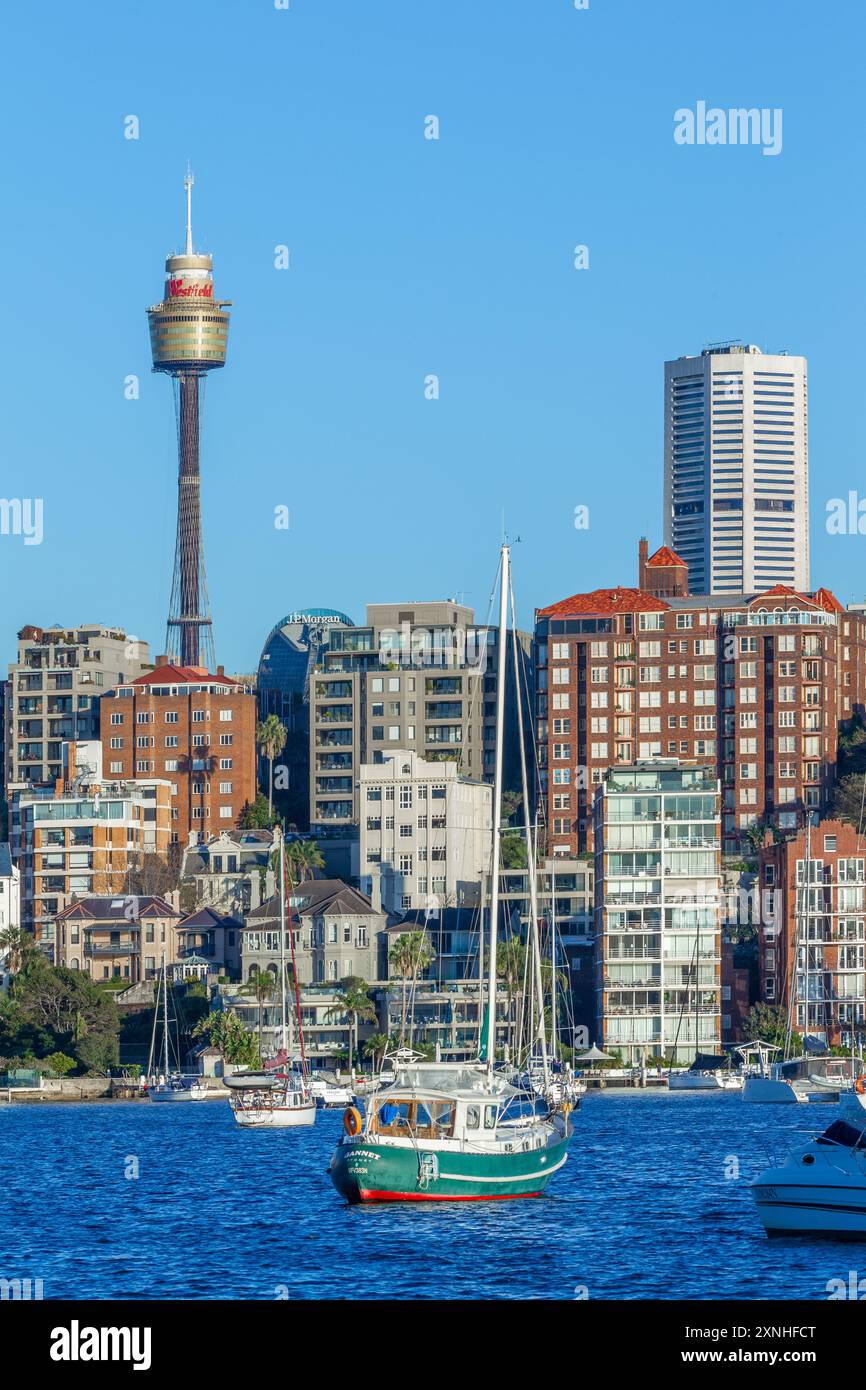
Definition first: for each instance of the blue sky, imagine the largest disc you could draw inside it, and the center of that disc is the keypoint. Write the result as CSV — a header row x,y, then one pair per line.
x,y
407,257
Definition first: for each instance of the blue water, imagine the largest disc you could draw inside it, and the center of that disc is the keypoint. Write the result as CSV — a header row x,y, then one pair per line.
x,y
644,1208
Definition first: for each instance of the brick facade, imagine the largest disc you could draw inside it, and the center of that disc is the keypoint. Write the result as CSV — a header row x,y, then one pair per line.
x,y
194,729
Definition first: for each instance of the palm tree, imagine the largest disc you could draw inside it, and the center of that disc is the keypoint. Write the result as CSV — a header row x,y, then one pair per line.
x,y
353,1001
271,737
262,984
375,1047
17,945
302,857
511,968
411,953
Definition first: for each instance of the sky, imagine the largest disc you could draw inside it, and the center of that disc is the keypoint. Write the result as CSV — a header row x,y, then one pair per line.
x,y
409,258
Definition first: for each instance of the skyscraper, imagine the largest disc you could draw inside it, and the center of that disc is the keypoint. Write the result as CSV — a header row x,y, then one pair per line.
x,y
736,469
188,338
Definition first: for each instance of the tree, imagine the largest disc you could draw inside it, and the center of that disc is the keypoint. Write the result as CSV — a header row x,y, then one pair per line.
x,y
511,969
18,946
52,1008
769,1023
353,1000
271,738
303,857
375,1047
255,815
236,1043
151,874
411,953
512,852
60,1063
848,802
262,985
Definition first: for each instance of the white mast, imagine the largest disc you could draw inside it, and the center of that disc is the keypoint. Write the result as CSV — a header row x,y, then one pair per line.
x,y
188,183
530,861
497,805
283,1024
165,1013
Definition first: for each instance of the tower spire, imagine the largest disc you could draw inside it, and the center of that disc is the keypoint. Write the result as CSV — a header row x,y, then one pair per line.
x,y
188,183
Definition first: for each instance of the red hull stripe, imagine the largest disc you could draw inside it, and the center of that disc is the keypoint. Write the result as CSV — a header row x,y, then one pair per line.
x,y
369,1195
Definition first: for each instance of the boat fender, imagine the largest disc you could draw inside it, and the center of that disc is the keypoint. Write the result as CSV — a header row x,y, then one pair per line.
x,y
860,1086
352,1121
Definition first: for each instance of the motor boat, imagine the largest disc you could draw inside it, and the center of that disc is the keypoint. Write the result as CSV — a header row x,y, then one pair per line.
x,y
820,1188
330,1095
706,1073
798,1081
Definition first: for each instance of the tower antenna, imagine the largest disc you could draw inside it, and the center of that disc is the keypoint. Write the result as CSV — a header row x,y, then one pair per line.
x,y
188,182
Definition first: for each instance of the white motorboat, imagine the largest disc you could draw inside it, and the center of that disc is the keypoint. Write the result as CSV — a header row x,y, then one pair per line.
x,y
712,1079
330,1095
820,1188
798,1081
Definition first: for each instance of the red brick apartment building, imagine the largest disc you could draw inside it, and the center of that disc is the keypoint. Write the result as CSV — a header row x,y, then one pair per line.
x,y
194,729
755,685
816,885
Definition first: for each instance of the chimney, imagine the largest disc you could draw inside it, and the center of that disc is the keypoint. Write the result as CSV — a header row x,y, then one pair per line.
x,y
376,887
220,670
642,556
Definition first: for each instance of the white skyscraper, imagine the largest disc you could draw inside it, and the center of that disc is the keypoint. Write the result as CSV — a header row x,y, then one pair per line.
x,y
737,469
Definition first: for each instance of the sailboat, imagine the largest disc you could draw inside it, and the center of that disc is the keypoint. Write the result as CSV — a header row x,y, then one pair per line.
x,y
706,1073
168,1085
279,1098
460,1131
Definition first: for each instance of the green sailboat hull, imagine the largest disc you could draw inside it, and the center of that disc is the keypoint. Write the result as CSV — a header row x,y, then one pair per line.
x,y
368,1171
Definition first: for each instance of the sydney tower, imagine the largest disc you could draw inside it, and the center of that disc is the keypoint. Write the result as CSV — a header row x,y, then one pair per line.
x,y
188,338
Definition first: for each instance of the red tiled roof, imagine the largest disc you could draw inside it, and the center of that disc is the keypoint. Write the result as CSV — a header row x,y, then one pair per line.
x,y
604,602
180,675
784,591
665,556
828,600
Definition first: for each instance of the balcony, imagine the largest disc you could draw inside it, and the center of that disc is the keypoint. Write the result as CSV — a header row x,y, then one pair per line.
x,y
121,948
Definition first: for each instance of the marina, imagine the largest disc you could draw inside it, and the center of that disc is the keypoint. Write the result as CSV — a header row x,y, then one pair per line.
x,y
645,1208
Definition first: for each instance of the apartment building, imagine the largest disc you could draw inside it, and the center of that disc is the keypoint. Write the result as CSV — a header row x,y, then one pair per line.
x,y
192,728
122,937
78,843
658,911
419,676
54,689
736,468
425,829
813,933
754,685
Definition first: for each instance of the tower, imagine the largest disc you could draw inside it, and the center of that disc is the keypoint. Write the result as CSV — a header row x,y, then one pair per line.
x,y
737,468
188,339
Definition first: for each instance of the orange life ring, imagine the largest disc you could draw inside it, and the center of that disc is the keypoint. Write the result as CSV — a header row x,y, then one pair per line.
x,y
860,1086
352,1121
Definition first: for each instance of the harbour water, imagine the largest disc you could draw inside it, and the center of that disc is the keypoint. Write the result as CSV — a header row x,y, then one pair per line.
x,y
129,1200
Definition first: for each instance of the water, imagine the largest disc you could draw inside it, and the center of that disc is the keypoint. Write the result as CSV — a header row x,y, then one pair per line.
x,y
643,1209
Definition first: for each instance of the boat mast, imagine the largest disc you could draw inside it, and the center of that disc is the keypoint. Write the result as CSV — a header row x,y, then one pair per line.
x,y
530,857
165,1012
497,805
554,1031
283,1029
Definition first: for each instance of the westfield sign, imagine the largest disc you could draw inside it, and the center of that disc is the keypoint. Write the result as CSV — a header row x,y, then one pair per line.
x,y
193,289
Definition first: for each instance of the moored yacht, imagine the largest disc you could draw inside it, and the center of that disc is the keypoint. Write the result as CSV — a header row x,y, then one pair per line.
x,y
464,1131
168,1084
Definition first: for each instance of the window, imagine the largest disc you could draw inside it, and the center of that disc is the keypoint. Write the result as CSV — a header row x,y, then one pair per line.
x,y
117,719
225,788
226,716
171,716
225,813
226,740
226,764
560,675
560,651
116,742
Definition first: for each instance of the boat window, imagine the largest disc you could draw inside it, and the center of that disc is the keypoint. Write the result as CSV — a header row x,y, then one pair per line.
x,y
392,1116
490,1117
442,1117
472,1116
840,1132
